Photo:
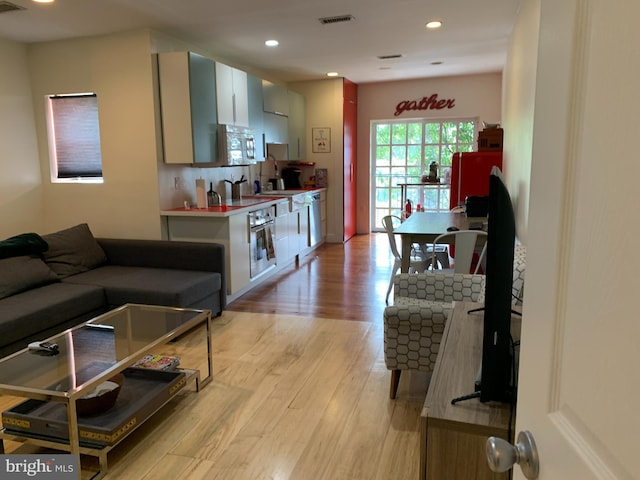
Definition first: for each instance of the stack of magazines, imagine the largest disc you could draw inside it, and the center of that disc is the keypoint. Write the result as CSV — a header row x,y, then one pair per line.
x,y
158,362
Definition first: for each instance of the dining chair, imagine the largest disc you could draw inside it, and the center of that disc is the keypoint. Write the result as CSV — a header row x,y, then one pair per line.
x,y
417,263
464,243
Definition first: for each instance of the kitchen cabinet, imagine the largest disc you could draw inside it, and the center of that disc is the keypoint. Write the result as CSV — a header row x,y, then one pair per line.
x,y
187,85
283,230
231,231
256,115
323,213
276,129
275,102
275,98
297,131
303,229
292,230
232,97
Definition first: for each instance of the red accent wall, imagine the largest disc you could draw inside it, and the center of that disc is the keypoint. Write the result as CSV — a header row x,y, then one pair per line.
x,y
350,116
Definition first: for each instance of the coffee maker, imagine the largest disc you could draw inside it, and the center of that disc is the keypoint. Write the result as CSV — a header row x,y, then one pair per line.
x,y
291,177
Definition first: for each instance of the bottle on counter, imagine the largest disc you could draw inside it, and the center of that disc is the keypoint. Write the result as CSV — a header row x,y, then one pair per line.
x,y
407,208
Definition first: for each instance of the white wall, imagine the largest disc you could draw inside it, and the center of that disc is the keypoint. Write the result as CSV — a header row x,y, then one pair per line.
x,y
475,96
324,106
118,69
519,91
20,189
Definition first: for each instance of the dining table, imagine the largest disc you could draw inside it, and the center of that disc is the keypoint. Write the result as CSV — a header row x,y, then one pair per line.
x,y
424,227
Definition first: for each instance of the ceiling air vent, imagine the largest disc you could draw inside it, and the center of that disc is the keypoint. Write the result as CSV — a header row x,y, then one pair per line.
x,y
9,7
389,57
338,19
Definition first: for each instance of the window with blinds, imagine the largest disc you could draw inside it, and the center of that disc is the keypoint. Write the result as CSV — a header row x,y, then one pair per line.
x,y
74,138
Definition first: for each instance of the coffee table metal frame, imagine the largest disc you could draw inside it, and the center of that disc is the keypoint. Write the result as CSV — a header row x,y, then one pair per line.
x,y
199,318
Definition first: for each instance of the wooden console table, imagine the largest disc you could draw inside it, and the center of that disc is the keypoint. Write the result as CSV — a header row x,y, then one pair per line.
x,y
453,437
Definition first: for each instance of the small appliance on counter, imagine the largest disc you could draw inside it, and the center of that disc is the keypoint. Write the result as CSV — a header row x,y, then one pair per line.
x,y
291,177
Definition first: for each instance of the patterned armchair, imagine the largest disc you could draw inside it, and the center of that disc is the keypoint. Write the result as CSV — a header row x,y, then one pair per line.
x,y
414,324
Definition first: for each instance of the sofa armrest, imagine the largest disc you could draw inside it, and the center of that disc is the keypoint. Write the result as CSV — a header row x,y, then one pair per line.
x,y
412,334
199,256
439,287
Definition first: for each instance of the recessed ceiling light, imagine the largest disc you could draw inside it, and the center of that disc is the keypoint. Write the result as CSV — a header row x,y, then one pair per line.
x,y
44,1
272,43
332,74
431,24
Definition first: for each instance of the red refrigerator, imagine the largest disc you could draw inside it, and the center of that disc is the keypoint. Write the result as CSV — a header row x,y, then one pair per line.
x,y
470,174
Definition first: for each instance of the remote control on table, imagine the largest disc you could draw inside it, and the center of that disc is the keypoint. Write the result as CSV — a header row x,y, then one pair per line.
x,y
46,348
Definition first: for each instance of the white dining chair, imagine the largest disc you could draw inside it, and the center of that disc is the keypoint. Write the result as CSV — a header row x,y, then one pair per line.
x,y
417,263
464,243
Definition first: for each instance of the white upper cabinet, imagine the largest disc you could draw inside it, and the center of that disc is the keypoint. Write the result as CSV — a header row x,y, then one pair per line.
x,y
275,98
297,131
187,84
256,115
233,101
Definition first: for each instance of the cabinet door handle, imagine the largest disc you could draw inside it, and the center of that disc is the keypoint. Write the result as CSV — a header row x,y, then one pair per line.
x,y
233,106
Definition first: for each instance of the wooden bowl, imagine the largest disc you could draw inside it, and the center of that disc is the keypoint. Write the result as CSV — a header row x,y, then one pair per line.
x,y
101,403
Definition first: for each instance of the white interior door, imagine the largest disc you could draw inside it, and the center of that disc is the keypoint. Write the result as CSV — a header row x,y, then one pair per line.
x,y
579,382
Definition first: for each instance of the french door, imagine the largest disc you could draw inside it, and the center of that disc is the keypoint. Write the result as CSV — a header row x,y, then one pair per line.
x,y
403,151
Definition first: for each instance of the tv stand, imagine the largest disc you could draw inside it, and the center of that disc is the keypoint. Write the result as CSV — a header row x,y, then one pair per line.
x,y
453,437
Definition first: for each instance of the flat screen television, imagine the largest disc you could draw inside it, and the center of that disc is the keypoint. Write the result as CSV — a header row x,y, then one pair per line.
x,y
497,369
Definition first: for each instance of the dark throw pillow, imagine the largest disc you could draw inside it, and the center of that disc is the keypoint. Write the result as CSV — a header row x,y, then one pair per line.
x,y
73,250
18,274
23,244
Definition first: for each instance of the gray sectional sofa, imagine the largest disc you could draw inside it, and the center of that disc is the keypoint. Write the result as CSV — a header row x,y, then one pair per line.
x,y
52,282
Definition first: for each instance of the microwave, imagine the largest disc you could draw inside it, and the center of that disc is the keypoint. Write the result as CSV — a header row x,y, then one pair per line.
x,y
236,146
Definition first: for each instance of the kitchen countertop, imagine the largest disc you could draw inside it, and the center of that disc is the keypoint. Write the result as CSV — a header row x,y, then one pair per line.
x,y
235,207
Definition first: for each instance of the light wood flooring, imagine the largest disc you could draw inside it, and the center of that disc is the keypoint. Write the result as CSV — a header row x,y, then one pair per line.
x,y
300,389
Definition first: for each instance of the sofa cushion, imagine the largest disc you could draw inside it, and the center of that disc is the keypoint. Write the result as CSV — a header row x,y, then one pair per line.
x,y
73,250
154,286
23,244
39,309
22,273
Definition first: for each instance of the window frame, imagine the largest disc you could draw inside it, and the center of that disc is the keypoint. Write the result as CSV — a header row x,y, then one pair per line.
x,y
389,182
89,124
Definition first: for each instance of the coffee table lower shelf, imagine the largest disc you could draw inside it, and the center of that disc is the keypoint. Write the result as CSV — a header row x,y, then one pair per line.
x,y
93,442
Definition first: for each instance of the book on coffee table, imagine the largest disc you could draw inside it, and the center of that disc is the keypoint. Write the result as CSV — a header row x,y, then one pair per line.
x,y
158,362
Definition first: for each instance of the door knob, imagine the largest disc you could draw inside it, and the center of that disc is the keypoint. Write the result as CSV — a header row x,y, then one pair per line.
x,y
501,455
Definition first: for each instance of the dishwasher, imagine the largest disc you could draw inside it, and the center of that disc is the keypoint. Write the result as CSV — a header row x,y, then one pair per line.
x,y
315,220
262,231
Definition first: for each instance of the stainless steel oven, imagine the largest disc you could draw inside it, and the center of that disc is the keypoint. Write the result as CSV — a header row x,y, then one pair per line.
x,y
262,232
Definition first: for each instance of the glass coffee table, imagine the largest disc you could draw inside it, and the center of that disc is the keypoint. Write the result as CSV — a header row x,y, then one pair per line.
x,y
87,356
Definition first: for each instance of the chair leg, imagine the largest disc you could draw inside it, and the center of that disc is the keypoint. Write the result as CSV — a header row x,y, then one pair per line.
x,y
395,381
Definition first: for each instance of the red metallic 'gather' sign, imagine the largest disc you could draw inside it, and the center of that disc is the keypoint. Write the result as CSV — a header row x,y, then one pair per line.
x,y
431,103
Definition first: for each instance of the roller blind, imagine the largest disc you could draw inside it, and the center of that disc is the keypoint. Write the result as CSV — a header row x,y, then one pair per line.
x,y
76,133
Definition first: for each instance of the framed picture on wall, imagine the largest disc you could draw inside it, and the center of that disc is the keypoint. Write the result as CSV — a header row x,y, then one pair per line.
x,y
321,139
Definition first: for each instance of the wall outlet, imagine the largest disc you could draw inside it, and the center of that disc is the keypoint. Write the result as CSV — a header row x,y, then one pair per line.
x,y
177,183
